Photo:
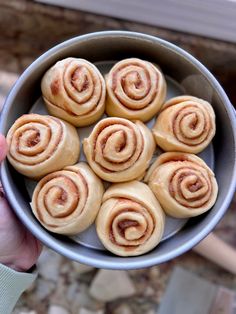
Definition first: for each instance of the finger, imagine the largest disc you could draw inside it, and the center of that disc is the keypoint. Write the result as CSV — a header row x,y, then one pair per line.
x,y
28,254
19,249
3,147
10,232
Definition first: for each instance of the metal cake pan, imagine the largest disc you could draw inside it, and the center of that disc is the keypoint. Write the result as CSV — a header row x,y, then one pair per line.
x,y
177,64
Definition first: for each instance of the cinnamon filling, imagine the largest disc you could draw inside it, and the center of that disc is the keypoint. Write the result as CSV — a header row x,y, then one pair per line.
x,y
75,77
126,224
123,225
33,140
62,198
55,86
193,187
176,129
194,124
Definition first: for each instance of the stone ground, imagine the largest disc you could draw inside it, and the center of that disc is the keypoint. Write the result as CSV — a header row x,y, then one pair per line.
x,y
63,286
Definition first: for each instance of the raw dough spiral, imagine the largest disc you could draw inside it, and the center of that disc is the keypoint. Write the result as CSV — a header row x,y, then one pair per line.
x,y
183,184
74,90
119,150
136,89
185,124
67,201
130,221
41,144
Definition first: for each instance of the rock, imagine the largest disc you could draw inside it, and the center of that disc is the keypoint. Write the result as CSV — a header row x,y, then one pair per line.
x,y
43,288
155,273
84,300
32,287
149,291
59,295
56,309
72,291
109,285
122,309
85,311
49,265
82,268
65,268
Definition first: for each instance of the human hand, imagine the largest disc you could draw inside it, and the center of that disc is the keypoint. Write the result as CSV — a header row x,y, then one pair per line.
x,y
19,249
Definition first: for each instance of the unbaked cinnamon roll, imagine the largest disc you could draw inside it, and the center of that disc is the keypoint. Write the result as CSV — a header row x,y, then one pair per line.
x,y
183,184
185,124
130,221
67,201
119,150
74,90
41,144
136,89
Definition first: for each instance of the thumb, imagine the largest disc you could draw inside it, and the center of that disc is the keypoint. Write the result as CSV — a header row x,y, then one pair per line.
x,y
3,147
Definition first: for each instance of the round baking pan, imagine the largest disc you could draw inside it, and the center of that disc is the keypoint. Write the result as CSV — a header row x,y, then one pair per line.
x,y
184,75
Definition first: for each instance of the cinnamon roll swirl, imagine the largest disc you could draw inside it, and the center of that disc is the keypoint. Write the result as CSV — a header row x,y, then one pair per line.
x,y
130,221
74,90
41,144
183,184
185,124
67,201
119,150
136,89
